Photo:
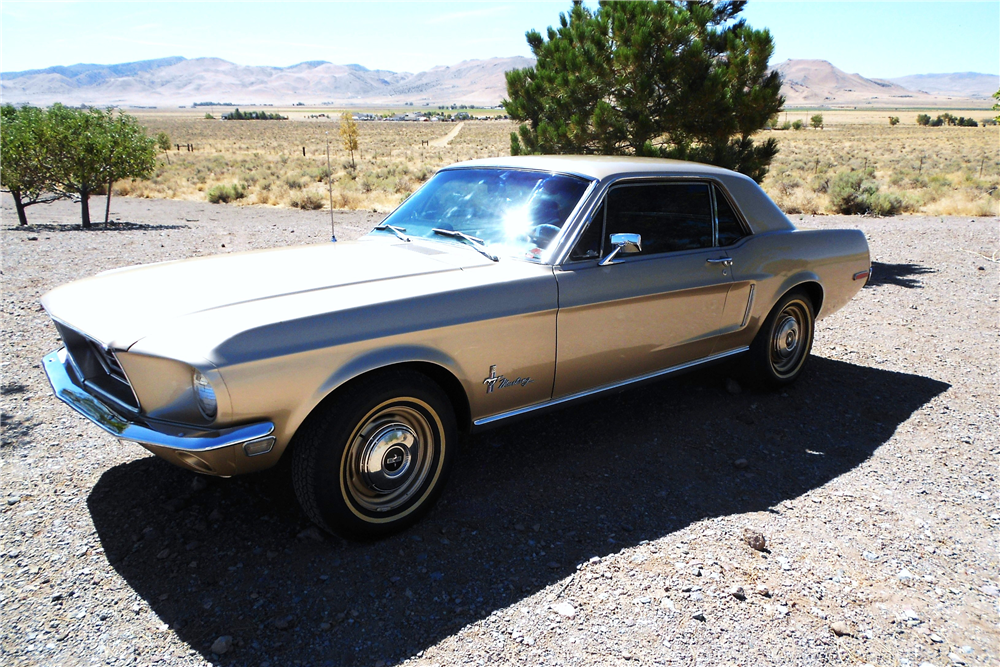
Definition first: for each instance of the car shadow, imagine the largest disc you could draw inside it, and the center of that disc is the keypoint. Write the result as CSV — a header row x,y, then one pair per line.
x,y
526,503
900,275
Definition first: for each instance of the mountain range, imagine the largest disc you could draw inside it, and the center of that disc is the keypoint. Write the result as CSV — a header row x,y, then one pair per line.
x,y
178,81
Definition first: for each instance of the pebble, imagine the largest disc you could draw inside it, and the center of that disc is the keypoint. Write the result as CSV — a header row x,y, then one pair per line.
x,y
199,483
754,539
738,593
937,639
904,575
13,500
222,645
956,658
763,591
564,609
740,464
699,617
840,628
732,386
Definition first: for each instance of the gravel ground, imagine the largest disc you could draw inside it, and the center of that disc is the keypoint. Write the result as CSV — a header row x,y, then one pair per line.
x,y
587,537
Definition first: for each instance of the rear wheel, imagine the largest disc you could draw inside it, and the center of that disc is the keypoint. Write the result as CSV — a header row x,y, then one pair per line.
x,y
780,350
375,461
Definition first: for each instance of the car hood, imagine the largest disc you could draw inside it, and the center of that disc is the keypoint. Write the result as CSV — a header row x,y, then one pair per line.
x,y
120,307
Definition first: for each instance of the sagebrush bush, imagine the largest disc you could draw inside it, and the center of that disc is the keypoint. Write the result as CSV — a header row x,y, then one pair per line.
x,y
307,201
854,192
223,194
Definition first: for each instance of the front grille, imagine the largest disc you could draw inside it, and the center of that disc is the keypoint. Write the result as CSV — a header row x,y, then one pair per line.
x,y
101,370
108,361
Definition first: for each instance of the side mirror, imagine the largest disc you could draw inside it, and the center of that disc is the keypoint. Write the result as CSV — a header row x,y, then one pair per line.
x,y
624,244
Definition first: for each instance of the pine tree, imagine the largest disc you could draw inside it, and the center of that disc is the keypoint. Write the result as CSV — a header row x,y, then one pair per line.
x,y
663,79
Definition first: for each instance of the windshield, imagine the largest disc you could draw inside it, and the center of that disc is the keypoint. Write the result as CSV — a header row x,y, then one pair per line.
x,y
514,213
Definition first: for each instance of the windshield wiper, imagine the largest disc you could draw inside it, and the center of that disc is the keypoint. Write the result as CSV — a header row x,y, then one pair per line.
x,y
398,231
476,243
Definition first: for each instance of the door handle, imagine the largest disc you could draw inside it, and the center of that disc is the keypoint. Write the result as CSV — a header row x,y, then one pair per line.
x,y
726,261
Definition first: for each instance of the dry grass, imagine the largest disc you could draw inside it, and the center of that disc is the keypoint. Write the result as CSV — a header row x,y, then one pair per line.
x,y
934,170
266,158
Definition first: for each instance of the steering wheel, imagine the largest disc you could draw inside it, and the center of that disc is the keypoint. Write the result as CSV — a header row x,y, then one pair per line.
x,y
542,235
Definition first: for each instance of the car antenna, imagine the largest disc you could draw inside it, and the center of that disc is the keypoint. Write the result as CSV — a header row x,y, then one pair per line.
x,y
329,183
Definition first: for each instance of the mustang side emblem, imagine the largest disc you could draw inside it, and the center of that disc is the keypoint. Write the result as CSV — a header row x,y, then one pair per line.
x,y
495,381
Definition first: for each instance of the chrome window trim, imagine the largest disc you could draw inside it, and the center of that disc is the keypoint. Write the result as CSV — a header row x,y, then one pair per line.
x,y
741,219
600,196
609,387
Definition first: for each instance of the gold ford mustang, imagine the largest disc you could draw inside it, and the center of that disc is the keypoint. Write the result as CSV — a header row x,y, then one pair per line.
x,y
502,287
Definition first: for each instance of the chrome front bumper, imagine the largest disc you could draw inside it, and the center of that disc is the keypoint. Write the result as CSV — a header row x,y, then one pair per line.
x,y
204,450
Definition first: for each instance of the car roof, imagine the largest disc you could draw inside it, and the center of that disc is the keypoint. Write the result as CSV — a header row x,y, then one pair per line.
x,y
758,209
597,167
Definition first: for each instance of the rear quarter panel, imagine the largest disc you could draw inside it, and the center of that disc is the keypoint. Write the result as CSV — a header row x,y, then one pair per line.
x,y
776,262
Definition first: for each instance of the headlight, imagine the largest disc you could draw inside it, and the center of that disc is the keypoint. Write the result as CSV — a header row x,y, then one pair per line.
x,y
205,395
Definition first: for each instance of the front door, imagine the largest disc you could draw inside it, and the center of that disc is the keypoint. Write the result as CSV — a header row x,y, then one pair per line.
x,y
647,311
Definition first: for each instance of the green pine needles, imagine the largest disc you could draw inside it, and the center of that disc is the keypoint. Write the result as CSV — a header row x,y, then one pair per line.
x,y
684,80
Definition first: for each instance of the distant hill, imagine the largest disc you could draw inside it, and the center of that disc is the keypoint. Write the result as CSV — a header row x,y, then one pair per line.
x,y
959,84
178,81
819,83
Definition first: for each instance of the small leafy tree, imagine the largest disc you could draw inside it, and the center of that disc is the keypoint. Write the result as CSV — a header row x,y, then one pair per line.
x,y
163,143
923,119
130,153
996,105
893,121
25,170
349,134
92,148
797,124
680,80
817,121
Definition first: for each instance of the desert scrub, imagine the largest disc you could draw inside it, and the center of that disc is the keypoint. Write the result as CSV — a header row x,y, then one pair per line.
x,y
854,192
393,162
307,201
224,194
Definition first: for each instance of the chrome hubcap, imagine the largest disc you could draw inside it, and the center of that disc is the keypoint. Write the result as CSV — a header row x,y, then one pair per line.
x,y
385,462
786,337
790,339
389,458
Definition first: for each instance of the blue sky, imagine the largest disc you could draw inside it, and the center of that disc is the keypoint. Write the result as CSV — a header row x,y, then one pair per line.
x,y
875,39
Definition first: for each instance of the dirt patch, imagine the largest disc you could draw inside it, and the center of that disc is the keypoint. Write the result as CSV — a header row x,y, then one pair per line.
x,y
446,139
603,534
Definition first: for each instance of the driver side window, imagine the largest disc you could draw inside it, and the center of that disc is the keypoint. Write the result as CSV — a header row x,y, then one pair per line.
x,y
670,217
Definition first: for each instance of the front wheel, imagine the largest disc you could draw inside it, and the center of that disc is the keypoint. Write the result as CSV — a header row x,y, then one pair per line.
x,y
375,461
780,349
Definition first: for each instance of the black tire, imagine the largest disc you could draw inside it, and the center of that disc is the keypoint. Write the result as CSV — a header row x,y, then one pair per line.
x,y
781,347
376,458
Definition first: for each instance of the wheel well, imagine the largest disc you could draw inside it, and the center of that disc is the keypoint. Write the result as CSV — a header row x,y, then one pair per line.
x,y
441,376
815,293
451,386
